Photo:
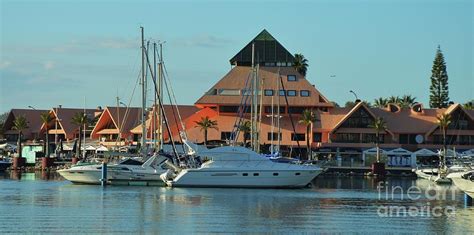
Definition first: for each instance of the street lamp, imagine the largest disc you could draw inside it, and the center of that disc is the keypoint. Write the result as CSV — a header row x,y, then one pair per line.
x,y
357,99
31,107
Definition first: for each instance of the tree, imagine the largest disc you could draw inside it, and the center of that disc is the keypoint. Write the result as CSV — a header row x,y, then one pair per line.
x,y
245,129
307,119
439,94
20,124
301,64
394,99
205,123
378,125
380,102
3,118
444,120
406,101
469,105
79,119
46,119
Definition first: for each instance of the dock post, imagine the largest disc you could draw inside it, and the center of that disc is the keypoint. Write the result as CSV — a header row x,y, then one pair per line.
x,y
103,180
467,200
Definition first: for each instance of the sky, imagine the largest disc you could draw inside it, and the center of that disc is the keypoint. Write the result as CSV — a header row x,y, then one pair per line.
x,y
86,53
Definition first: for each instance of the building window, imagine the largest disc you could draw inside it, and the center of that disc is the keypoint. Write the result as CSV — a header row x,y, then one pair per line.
x,y
359,119
317,137
281,93
291,78
298,137
268,109
291,93
212,92
273,136
228,109
229,92
371,138
304,93
347,138
403,139
225,135
268,92
296,110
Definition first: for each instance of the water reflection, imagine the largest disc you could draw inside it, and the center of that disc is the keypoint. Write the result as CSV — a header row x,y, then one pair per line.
x,y
47,204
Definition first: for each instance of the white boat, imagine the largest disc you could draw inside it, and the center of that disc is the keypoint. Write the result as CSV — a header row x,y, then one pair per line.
x,y
433,174
464,181
126,170
239,167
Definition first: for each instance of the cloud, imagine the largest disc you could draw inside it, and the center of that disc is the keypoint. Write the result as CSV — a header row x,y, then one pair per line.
x,y
204,41
48,65
5,64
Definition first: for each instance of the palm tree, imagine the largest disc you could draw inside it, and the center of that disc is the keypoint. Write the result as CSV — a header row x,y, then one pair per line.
x,y
46,119
406,101
20,124
245,128
380,102
378,125
301,64
79,119
394,99
206,124
443,122
308,118
469,105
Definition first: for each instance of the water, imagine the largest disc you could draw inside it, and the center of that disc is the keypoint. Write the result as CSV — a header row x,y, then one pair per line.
x,y
36,203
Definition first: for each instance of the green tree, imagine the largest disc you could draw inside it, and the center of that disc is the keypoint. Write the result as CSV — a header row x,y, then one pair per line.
x,y
79,119
205,124
380,102
394,100
308,118
46,119
301,64
444,120
378,125
469,105
3,118
406,101
439,93
245,128
20,124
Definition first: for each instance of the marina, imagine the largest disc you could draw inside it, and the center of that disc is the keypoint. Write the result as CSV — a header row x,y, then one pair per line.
x,y
48,204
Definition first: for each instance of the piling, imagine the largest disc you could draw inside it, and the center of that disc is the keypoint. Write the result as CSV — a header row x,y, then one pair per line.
x,y
378,168
103,180
18,163
46,162
467,200
74,160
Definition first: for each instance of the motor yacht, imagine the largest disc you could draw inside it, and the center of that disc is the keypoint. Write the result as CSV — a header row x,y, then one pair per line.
x,y
433,174
126,170
239,167
464,181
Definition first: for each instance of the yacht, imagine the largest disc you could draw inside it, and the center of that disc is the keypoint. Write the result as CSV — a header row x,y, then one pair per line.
x,y
126,170
239,167
433,174
464,181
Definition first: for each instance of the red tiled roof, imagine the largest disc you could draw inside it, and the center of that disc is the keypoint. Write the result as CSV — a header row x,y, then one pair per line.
x,y
32,117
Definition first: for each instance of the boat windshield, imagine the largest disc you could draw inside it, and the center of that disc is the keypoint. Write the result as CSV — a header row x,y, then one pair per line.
x,y
131,162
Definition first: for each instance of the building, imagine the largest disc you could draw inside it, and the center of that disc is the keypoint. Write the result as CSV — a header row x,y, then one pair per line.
x,y
34,123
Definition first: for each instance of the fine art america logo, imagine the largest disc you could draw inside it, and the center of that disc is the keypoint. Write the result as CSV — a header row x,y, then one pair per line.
x,y
423,209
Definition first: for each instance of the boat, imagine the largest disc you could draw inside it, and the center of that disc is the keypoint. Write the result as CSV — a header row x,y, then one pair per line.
x,y
464,181
239,167
433,174
4,164
125,171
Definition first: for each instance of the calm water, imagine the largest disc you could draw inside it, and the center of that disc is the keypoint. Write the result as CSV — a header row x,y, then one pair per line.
x,y
38,203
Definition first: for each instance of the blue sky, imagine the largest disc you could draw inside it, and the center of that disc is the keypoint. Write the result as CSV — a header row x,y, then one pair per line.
x,y
58,52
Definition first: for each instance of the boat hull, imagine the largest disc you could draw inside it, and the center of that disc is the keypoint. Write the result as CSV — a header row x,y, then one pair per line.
x,y
81,176
93,176
464,185
433,177
244,179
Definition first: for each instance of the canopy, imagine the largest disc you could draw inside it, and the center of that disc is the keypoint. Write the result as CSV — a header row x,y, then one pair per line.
x,y
90,147
399,151
424,152
102,148
374,151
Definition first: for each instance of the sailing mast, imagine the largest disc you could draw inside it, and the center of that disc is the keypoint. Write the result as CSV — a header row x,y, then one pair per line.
x,y
160,96
254,106
143,91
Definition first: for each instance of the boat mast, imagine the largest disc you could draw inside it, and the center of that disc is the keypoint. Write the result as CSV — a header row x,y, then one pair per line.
x,y
154,120
160,97
143,91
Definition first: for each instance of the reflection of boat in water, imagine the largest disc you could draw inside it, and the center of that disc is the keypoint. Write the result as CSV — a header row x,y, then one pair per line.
x,y
433,174
240,167
126,171
464,181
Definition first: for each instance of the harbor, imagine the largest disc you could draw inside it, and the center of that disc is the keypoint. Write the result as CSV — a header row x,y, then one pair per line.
x,y
34,203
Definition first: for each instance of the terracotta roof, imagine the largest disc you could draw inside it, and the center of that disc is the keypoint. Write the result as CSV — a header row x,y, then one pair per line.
x,y
184,110
237,78
32,117
65,116
129,117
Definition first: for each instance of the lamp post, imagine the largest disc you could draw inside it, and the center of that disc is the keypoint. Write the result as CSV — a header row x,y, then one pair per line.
x,y
56,130
31,107
351,91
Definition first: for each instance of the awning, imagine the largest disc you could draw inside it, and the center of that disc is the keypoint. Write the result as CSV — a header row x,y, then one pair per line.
x,y
102,148
399,151
107,131
374,151
424,152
